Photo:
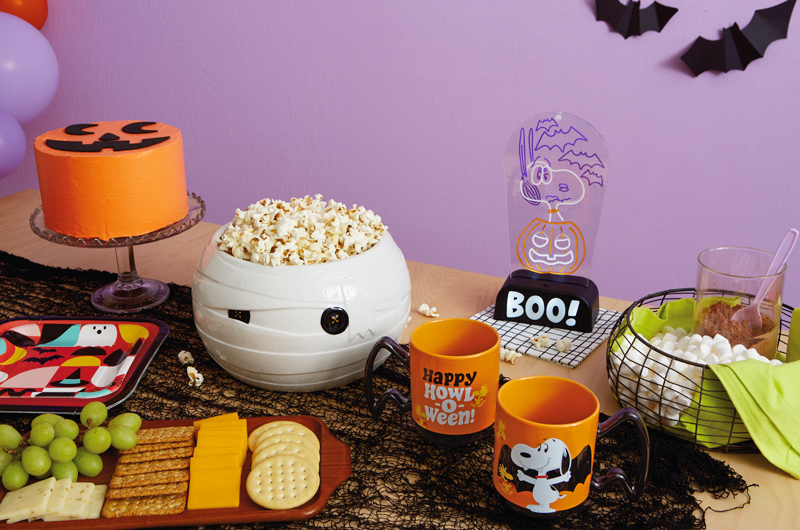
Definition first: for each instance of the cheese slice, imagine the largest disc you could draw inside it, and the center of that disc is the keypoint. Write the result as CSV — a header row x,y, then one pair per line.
x,y
57,499
233,416
96,501
77,503
25,502
214,488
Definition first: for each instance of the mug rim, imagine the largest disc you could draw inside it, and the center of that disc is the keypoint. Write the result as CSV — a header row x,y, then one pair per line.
x,y
595,410
494,346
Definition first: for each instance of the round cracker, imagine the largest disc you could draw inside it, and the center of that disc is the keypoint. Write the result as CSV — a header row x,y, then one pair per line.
x,y
258,431
285,448
285,437
282,482
289,427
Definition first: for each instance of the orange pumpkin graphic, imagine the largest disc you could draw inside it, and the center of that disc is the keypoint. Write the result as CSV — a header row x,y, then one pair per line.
x,y
551,247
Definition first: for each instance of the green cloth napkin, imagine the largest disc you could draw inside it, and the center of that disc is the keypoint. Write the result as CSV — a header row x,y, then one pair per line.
x,y
768,400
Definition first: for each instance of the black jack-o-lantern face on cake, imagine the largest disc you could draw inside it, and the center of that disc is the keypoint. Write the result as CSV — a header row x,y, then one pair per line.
x,y
134,135
111,179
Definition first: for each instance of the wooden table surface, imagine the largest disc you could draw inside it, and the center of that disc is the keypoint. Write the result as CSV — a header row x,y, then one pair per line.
x,y
454,293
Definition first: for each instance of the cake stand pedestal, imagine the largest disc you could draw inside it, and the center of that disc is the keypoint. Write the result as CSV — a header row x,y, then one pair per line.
x,y
130,293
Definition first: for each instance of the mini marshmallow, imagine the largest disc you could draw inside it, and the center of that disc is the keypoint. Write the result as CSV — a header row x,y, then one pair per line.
x,y
738,349
669,337
695,340
775,362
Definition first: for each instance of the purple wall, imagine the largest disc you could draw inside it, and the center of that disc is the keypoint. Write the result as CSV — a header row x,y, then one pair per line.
x,y
407,107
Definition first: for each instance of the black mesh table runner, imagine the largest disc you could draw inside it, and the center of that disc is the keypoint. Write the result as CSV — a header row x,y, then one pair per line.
x,y
398,480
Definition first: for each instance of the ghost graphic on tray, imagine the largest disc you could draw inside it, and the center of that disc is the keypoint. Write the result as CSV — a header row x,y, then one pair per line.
x,y
556,171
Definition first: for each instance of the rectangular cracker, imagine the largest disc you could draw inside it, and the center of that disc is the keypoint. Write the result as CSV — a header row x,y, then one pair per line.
x,y
147,491
180,452
156,447
164,435
138,506
147,479
138,468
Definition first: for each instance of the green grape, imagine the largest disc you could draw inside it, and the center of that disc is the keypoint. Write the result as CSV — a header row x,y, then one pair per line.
x,y
65,470
9,437
62,450
97,440
42,434
67,429
52,419
14,476
128,419
93,414
89,464
5,459
36,460
122,437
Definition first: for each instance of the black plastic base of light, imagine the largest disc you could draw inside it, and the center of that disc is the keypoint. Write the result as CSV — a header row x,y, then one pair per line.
x,y
551,300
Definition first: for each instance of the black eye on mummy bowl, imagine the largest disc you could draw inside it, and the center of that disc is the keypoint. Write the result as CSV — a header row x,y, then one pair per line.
x,y
334,320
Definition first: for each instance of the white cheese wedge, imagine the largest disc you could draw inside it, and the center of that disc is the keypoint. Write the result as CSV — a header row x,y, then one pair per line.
x,y
57,499
28,501
96,501
77,503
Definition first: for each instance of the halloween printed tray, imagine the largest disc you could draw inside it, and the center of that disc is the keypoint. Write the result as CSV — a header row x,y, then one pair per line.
x,y
58,364
334,469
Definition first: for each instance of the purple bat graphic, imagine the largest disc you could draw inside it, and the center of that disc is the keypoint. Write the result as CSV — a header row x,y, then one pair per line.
x,y
560,139
547,124
581,159
592,178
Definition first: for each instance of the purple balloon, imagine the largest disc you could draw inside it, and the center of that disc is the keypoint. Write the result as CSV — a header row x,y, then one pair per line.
x,y
28,69
12,144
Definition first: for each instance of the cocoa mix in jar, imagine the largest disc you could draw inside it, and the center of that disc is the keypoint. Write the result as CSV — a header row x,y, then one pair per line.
x,y
716,319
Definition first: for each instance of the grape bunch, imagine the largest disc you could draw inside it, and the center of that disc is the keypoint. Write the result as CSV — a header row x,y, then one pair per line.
x,y
52,448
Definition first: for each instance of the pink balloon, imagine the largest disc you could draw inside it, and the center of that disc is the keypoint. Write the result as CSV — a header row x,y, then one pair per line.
x,y
12,144
28,69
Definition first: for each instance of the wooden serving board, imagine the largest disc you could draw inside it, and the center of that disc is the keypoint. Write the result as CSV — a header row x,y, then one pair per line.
x,y
334,469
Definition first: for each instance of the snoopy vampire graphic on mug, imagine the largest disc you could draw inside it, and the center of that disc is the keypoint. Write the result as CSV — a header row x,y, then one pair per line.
x,y
545,433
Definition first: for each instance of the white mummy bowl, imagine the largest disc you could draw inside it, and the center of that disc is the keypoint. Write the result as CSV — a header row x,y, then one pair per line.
x,y
300,328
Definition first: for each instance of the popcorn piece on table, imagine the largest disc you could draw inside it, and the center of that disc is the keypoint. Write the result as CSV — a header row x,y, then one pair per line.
x,y
564,345
541,342
195,377
185,357
428,311
509,355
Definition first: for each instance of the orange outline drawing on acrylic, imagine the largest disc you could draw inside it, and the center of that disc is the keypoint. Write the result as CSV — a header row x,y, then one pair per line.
x,y
531,228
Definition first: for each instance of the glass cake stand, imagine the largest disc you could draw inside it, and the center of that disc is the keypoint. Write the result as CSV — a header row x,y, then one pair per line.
x,y
130,293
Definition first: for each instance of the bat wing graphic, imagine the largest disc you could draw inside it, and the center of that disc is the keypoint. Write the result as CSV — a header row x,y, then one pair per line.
x,y
559,139
629,20
547,124
592,178
581,159
581,468
739,47
43,360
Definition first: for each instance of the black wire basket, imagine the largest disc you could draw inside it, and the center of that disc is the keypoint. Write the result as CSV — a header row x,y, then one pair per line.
x,y
675,395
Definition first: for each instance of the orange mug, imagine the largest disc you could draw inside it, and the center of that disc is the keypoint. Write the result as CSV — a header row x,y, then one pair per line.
x,y
454,364
545,434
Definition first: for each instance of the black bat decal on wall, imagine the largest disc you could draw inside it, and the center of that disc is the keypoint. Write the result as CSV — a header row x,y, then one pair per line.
x,y
739,47
631,19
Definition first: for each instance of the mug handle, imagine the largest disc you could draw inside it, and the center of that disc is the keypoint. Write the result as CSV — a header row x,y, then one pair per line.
x,y
376,406
632,490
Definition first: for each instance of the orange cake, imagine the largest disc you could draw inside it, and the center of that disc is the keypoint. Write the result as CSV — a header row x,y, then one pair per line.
x,y
111,179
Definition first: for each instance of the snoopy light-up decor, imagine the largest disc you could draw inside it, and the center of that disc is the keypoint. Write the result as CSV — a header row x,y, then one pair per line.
x,y
556,166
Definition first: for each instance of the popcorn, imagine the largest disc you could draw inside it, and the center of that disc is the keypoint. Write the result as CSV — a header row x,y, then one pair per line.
x,y
428,311
300,232
185,357
195,377
508,355
564,345
541,342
